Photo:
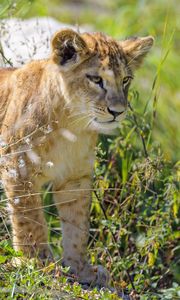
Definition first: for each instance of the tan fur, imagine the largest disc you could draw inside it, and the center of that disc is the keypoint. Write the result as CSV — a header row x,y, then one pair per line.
x,y
51,112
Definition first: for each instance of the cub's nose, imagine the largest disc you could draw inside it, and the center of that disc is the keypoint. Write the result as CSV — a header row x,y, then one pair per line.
x,y
114,113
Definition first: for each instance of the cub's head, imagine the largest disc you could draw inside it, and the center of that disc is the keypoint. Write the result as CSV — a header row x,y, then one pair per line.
x,y
97,71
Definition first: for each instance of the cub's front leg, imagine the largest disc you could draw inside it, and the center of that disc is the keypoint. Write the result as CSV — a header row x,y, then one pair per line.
x,y
29,228
73,203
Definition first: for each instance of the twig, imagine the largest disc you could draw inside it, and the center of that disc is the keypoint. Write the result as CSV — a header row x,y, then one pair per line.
x,y
6,60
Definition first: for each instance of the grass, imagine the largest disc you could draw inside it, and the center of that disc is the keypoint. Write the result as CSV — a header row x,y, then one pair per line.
x,y
134,214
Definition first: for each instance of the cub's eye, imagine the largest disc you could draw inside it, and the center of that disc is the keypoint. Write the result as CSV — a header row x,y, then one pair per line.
x,y
126,79
96,79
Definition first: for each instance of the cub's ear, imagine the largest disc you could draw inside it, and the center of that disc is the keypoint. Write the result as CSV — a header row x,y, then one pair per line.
x,y
68,48
136,49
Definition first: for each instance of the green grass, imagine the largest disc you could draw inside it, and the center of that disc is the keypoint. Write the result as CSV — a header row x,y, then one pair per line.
x,y
134,214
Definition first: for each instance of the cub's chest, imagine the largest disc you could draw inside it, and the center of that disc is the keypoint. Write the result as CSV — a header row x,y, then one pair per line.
x,y
68,155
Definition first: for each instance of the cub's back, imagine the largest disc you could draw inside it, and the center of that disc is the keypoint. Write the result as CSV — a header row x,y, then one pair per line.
x,y
5,74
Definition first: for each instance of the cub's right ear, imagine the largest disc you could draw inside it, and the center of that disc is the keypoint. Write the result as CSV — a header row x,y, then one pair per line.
x,y
68,49
136,49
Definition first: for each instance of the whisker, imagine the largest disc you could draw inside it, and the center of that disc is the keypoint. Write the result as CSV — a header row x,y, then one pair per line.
x,y
88,124
80,119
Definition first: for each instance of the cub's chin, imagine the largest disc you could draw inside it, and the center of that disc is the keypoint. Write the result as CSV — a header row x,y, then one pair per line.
x,y
108,128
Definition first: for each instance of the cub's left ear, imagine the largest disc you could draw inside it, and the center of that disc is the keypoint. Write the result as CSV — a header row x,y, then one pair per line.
x,y
136,49
68,49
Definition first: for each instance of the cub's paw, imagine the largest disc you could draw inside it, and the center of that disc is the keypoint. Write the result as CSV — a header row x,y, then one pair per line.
x,y
41,257
94,276
45,255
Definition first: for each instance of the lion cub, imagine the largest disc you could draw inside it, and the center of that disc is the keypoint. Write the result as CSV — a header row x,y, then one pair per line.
x,y
51,112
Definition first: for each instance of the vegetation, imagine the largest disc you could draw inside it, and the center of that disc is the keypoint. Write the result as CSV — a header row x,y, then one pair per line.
x,y
134,215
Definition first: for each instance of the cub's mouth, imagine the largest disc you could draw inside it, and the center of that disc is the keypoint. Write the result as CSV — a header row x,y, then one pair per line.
x,y
114,117
107,126
104,122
